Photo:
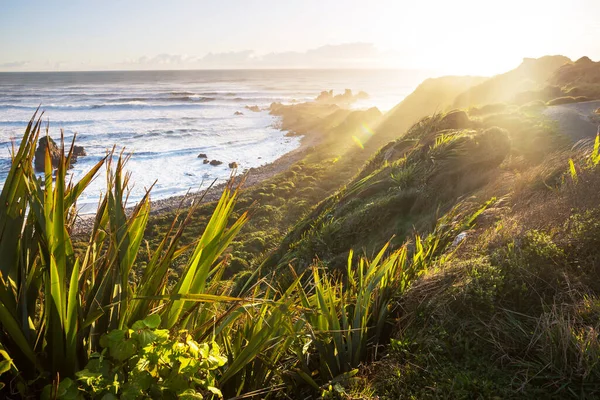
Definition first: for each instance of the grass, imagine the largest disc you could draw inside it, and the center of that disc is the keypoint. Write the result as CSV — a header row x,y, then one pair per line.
x,y
513,314
411,179
567,100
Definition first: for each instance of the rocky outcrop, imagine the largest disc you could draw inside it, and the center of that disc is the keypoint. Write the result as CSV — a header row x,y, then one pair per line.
x,y
253,108
202,155
233,165
238,113
345,98
78,151
55,153
216,162
205,161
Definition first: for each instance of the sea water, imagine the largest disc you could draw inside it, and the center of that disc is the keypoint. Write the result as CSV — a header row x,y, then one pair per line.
x,y
164,119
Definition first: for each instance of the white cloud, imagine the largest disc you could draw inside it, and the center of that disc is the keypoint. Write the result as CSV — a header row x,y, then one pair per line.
x,y
346,55
14,65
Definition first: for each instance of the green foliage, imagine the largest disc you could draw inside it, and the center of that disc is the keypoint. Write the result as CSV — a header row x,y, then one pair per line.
x,y
145,361
401,189
345,317
573,171
589,162
56,304
594,157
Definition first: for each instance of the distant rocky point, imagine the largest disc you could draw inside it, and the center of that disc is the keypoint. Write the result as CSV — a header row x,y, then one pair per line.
x,y
346,98
238,113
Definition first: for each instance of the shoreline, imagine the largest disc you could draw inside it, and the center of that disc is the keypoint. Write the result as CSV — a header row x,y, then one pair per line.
x,y
254,176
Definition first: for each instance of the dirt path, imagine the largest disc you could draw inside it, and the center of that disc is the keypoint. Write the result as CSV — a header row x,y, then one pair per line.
x,y
578,120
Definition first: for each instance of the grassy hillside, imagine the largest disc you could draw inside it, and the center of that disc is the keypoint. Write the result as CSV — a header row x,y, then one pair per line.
x,y
413,180
578,79
513,311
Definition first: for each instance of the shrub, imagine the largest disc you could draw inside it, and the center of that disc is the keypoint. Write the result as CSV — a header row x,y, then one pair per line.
x,y
145,361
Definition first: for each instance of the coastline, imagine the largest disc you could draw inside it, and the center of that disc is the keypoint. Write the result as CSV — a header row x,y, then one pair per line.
x,y
254,176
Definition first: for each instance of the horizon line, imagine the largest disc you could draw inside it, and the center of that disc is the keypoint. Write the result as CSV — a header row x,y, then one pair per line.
x,y
230,69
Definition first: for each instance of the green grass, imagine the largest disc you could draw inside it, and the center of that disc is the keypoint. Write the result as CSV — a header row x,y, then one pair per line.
x,y
407,182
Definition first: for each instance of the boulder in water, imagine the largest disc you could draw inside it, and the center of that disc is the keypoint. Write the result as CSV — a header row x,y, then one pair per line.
x,y
233,165
238,113
79,151
205,161
55,153
202,155
216,162
253,108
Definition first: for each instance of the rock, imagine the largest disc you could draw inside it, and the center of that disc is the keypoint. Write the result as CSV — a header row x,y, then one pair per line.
x,y
233,165
276,108
39,161
457,119
597,111
55,153
345,98
79,151
205,161
238,113
325,96
216,162
202,155
459,238
253,108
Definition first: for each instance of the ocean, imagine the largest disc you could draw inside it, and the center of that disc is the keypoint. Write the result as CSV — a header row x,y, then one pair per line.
x,y
166,118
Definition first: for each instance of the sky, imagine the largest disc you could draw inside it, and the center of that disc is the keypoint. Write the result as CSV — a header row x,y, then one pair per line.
x,y
477,37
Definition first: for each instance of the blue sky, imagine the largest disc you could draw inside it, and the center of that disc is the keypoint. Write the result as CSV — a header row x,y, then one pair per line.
x,y
463,36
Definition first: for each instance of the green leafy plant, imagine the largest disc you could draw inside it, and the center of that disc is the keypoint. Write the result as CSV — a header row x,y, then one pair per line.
x,y
146,361
56,304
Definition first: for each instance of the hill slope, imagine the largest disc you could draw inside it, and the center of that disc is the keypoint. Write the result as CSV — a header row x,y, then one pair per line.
x,y
531,75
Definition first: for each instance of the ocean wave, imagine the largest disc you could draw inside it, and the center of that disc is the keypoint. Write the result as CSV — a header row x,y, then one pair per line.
x,y
109,105
52,123
194,97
